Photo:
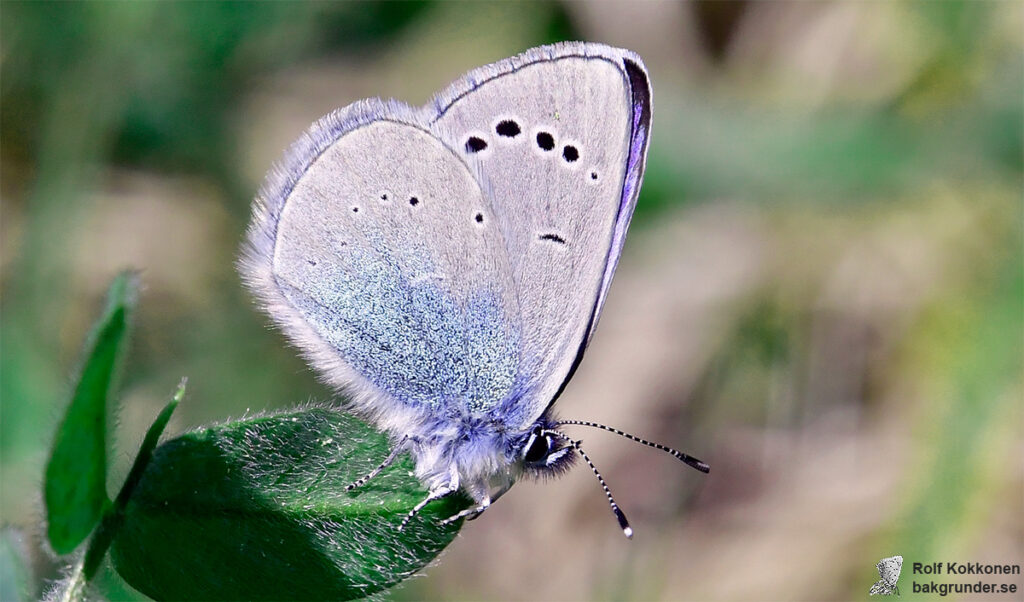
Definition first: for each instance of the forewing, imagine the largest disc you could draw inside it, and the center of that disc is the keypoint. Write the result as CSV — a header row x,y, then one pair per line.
x,y
373,247
560,137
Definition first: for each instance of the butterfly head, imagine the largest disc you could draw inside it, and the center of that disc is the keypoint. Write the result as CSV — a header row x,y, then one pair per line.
x,y
543,451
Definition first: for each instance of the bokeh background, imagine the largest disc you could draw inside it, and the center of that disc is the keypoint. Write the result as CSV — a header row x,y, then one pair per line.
x,y
822,293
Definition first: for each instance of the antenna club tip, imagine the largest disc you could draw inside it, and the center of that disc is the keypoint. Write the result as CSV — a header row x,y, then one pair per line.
x,y
703,467
623,523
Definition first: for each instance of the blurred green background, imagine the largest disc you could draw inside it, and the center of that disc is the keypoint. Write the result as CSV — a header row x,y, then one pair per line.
x,y
822,294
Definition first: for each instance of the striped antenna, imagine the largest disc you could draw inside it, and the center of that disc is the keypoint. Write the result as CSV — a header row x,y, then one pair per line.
x,y
686,458
623,523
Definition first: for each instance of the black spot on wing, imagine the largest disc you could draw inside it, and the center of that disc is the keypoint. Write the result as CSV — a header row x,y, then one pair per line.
x,y
552,238
545,141
475,144
508,128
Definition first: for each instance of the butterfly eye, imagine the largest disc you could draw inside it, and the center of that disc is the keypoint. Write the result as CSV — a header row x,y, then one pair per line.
x,y
537,448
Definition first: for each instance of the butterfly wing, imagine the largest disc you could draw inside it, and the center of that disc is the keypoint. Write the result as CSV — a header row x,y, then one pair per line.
x,y
374,248
560,136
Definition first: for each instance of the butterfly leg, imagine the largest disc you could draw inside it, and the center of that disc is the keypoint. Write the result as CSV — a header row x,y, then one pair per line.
x,y
402,446
437,494
473,513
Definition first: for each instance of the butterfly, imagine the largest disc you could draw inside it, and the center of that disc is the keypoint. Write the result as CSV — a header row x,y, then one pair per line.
x,y
445,266
889,571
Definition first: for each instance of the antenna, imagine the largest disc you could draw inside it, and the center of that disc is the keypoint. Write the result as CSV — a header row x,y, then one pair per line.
x,y
623,523
686,458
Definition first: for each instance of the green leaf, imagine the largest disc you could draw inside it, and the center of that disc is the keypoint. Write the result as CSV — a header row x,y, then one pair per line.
x,y
75,483
257,509
80,580
114,517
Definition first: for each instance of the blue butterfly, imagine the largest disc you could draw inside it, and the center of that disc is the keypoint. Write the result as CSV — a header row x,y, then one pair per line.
x,y
446,266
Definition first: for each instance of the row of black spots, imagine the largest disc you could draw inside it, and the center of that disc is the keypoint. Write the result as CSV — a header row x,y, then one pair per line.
x,y
413,201
552,238
546,143
508,128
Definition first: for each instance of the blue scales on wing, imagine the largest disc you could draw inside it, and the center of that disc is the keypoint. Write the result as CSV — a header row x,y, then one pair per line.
x,y
379,250
458,255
